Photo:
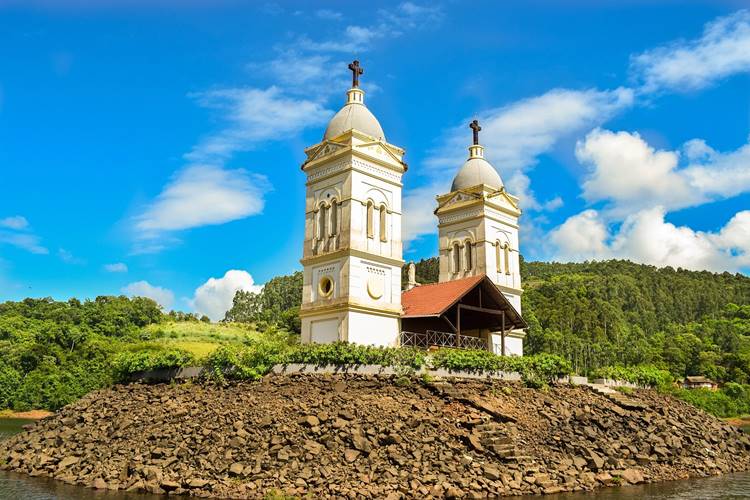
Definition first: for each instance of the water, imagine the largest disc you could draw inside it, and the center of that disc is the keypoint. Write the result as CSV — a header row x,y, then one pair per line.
x,y
734,486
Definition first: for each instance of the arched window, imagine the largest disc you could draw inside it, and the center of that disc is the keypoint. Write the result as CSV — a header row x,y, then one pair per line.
x,y
498,256
321,221
468,264
506,256
370,221
333,218
383,232
456,260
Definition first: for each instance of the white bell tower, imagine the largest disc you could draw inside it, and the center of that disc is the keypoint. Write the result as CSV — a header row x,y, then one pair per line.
x,y
478,234
352,254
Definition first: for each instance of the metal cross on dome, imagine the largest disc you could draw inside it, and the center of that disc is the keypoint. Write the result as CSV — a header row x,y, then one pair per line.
x,y
476,128
356,71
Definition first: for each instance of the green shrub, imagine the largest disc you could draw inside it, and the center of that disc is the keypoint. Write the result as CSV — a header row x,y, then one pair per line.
x,y
535,370
643,375
345,354
718,403
249,361
143,357
730,401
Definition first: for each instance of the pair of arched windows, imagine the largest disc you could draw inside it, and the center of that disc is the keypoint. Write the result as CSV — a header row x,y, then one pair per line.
x,y
463,259
383,213
503,257
328,223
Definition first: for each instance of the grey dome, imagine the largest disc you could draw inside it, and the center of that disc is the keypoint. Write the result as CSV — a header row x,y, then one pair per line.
x,y
354,116
476,171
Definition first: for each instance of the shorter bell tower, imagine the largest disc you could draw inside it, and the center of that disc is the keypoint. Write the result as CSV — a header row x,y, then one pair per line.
x,y
478,234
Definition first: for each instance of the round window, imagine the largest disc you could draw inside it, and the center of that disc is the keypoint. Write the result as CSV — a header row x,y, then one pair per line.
x,y
325,287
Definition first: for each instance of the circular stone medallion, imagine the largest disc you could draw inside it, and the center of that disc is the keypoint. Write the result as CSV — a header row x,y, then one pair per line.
x,y
375,287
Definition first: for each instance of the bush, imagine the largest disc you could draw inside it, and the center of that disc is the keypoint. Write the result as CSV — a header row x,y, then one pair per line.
x,y
719,403
247,362
535,370
344,354
643,375
143,357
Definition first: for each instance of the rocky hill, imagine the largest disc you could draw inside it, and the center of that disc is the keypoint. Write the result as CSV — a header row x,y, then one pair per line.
x,y
349,436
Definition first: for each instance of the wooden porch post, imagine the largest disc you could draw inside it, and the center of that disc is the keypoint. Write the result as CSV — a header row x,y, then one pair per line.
x,y
458,326
502,334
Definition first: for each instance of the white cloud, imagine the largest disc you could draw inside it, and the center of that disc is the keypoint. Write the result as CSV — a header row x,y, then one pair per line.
x,y
647,238
516,134
330,15
162,296
736,235
626,169
723,50
581,237
629,173
388,24
418,210
16,222
16,231
25,241
253,116
68,257
553,204
513,136
203,195
719,175
296,71
117,267
214,297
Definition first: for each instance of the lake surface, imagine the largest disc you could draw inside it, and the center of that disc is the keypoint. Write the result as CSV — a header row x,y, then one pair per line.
x,y
734,486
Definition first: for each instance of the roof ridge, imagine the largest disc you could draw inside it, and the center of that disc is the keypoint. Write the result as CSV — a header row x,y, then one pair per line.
x,y
482,275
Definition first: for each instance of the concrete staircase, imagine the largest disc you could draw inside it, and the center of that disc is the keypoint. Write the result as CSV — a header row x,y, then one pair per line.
x,y
493,435
617,397
495,439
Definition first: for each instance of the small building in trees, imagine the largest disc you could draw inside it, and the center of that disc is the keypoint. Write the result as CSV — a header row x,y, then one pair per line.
x,y
699,382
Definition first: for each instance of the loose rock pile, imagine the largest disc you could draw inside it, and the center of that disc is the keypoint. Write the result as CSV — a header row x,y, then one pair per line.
x,y
354,436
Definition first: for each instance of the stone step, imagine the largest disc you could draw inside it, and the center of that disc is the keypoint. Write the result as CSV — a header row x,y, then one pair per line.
x,y
503,451
497,441
490,427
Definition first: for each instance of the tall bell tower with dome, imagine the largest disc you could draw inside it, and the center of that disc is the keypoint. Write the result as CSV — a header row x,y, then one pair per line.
x,y
352,255
478,234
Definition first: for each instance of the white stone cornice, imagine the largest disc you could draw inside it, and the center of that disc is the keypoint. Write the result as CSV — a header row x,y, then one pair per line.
x,y
319,172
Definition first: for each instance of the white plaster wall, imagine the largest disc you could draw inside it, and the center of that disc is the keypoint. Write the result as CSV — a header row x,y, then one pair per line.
x,y
361,269
514,299
513,345
371,329
324,330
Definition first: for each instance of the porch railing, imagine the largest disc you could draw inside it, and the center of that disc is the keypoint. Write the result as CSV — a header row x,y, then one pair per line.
x,y
432,338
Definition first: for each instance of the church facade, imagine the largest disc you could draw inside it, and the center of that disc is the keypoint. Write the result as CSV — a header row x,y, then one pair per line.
x,y
353,257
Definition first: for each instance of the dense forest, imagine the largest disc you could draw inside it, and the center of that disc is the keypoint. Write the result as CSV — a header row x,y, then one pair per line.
x,y
52,353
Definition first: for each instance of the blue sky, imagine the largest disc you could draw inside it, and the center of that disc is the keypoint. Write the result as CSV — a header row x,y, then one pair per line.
x,y
154,147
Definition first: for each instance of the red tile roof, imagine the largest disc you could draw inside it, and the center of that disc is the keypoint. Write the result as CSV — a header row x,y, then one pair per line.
x,y
436,298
